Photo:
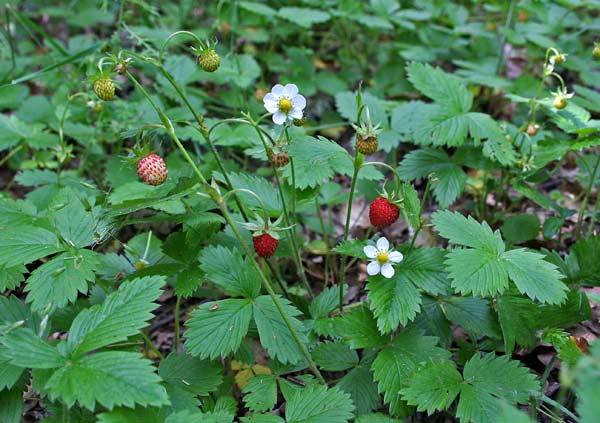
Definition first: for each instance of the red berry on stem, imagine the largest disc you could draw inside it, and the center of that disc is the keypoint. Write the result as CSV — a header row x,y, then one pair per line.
x,y
152,169
382,213
265,245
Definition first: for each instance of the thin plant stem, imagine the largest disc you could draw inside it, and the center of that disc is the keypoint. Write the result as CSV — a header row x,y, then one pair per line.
x,y
586,198
214,194
421,208
325,238
177,323
357,166
150,344
277,277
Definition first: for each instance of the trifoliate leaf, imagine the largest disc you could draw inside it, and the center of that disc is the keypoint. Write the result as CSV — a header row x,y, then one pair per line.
x,y
274,333
489,378
113,378
229,270
485,268
449,178
216,329
24,244
122,314
74,223
433,387
58,281
443,88
261,393
394,365
317,404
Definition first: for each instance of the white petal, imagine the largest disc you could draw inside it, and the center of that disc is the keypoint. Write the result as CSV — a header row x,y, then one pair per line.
x,y
395,257
299,101
387,270
373,268
271,106
291,90
271,97
278,90
370,251
279,117
383,244
296,113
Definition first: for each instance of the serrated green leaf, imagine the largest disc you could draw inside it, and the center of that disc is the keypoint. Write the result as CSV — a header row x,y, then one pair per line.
x,y
317,404
394,365
518,318
467,231
11,277
325,302
74,223
424,268
477,272
433,387
394,301
114,378
274,333
199,377
334,356
535,277
359,329
362,388
228,269
449,180
261,393
24,244
491,377
58,281
122,314
23,348
474,314
11,405
198,417
134,415
216,329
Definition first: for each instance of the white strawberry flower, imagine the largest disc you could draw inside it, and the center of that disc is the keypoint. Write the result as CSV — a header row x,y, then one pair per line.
x,y
382,258
285,103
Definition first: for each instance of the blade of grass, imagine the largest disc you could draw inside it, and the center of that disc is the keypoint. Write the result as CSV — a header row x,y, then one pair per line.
x,y
62,63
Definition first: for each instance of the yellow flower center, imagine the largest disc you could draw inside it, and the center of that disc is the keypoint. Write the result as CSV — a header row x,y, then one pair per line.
x,y
382,257
285,104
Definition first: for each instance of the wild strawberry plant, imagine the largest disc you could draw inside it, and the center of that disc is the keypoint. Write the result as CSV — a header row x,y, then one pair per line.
x,y
299,212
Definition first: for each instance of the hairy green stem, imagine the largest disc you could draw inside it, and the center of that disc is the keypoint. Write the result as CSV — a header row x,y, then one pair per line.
x,y
421,208
586,198
150,344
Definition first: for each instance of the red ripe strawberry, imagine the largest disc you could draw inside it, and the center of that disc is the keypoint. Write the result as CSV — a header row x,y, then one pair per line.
x,y
152,169
265,245
383,213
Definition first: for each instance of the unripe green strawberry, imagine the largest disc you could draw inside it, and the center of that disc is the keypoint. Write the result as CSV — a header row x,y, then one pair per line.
x,y
279,158
300,122
209,60
596,51
367,145
560,102
105,89
152,170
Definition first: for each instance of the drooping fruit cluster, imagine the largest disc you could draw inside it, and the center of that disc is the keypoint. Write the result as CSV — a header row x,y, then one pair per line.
x,y
152,170
265,245
209,60
105,89
383,213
